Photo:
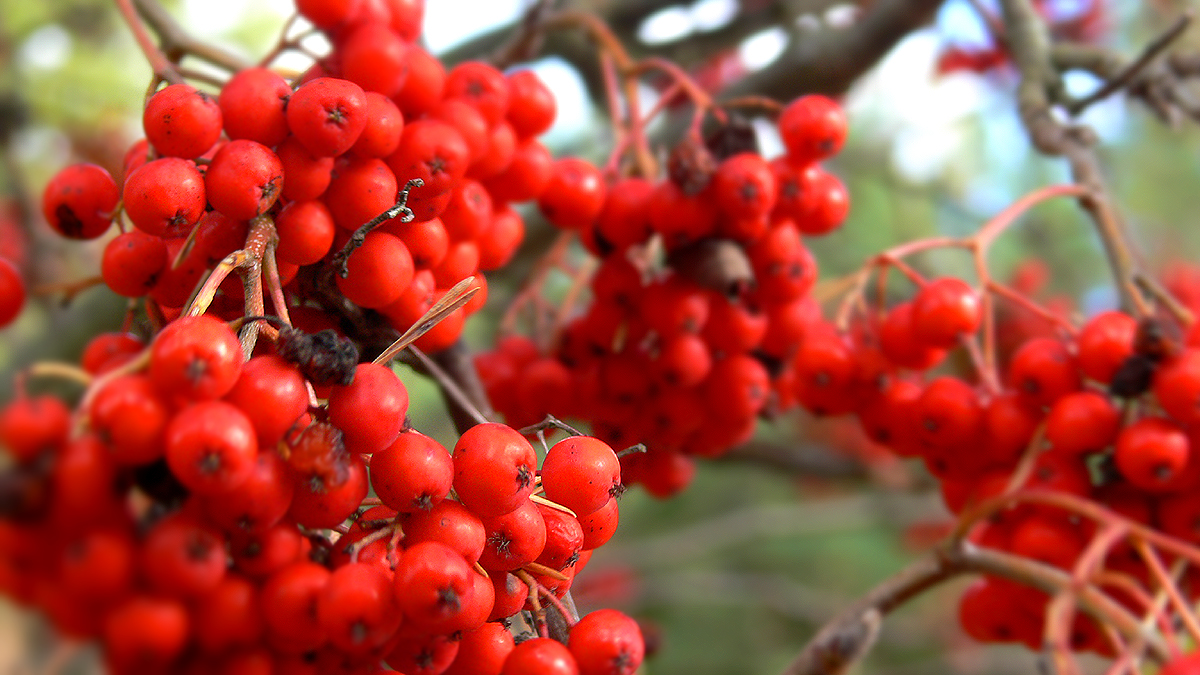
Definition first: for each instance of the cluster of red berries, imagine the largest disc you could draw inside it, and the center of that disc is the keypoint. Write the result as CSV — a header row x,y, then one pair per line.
x,y
685,358
321,160
199,511
1106,413
188,513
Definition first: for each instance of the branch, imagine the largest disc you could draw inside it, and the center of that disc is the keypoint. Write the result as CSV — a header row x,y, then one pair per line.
x,y
848,637
831,61
177,43
1040,87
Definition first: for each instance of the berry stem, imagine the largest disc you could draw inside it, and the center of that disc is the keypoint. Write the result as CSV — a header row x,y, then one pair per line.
x,y
163,69
1163,578
63,371
341,261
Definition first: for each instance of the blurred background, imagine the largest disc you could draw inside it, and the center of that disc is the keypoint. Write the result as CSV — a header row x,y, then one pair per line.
x,y
734,575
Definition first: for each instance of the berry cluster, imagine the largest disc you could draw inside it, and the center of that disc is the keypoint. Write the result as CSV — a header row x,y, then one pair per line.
x,y
1104,413
377,121
178,515
204,508
685,358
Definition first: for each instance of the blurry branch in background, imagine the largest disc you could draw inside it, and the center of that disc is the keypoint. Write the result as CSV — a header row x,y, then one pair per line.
x,y
174,43
825,59
799,458
772,521
1157,82
1039,92
845,640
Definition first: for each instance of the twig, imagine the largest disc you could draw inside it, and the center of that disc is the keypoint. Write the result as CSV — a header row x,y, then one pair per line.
x,y
176,42
1131,71
459,295
159,63
1029,43
341,260
447,384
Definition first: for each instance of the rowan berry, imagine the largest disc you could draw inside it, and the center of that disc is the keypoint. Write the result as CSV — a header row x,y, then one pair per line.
x,y
371,410
181,557
378,271
229,617
1152,453
433,584
494,469
12,292
532,106
482,651
385,123
943,310
307,175
259,502
145,634
211,447
195,357
540,656
514,539
481,85
450,523
574,195
813,127
327,115
606,642
79,201
358,608
252,106
244,179
181,121
1043,371
414,473
373,57
165,197
132,262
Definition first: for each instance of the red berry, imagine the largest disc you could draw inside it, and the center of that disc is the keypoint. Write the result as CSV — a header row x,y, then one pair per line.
x,y
582,473
327,115
607,642
211,447
1105,342
79,201
132,262
244,179
1152,453
181,121
532,106
374,58
481,85
165,197
252,106
433,585
813,127
494,468
412,474
574,195
196,357
540,656
371,410
12,292
943,310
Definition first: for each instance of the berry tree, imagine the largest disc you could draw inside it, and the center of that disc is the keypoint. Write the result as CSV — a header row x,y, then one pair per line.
x,y
236,472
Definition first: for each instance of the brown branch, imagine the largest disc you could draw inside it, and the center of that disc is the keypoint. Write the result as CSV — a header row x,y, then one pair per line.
x,y
1040,87
846,639
177,42
808,460
829,61
1127,75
